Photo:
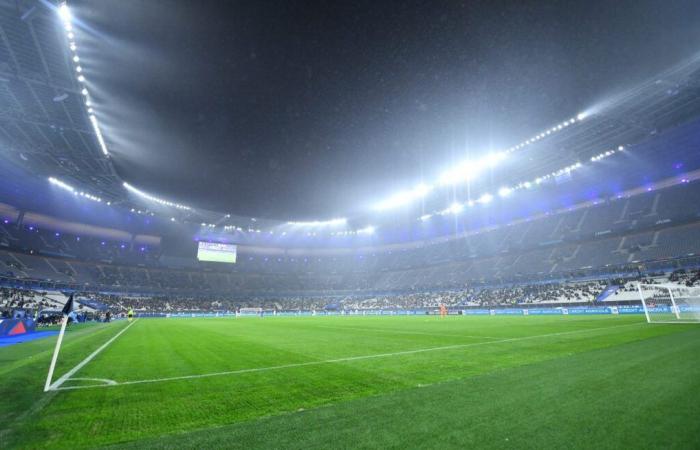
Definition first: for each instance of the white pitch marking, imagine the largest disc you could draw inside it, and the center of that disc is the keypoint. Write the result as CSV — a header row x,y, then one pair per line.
x,y
57,384
103,380
350,358
342,327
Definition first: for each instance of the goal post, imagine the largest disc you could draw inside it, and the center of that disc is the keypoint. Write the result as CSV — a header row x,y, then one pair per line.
x,y
670,303
250,311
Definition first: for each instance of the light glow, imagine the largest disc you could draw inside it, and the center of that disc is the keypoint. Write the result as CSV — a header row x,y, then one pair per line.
x,y
98,133
153,198
505,191
486,198
366,230
64,13
404,197
456,208
320,223
61,184
468,170
74,191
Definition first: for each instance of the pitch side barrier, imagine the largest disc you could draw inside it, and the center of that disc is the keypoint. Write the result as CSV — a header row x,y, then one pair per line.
x,y
541,311
602,310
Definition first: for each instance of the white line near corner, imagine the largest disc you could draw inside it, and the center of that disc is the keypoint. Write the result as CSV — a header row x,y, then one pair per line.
x,y
340,360
57,384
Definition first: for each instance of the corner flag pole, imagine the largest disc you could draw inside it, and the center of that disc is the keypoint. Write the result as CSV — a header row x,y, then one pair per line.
x,y
66,311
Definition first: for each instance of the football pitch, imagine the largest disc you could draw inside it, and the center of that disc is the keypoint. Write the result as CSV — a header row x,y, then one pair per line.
x,y
348,382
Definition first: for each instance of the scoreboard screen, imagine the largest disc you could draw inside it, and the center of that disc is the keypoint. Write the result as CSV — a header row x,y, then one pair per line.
x,y
216,252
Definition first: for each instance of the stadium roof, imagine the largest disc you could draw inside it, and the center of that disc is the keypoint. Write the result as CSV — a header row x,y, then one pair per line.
x,y
46,128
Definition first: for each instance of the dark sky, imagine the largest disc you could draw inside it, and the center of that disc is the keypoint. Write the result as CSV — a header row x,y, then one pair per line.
x,y
309,110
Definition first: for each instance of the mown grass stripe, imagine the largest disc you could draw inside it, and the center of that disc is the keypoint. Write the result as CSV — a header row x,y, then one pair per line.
x,y
326,361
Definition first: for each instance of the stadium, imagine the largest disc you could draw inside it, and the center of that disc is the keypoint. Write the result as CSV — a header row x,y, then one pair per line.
x,y
334,225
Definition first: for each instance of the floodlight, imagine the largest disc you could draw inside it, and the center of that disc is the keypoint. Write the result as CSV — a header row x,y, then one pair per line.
x,y
456,208
404,197
64,13
98,133
486,198
61,184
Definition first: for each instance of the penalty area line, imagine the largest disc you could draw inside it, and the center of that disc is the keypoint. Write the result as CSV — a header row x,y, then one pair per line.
x,y
345,359
57,384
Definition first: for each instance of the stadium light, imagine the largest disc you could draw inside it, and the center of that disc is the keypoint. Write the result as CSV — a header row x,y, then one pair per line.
x,y
505,191
64,13
74,191
469,170
66,17
404,197
366,230
153,198
61,184
98,133
455,208
486,198
320,223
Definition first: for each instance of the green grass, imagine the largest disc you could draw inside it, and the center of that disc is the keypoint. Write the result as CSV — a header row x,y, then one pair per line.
x,y
327,382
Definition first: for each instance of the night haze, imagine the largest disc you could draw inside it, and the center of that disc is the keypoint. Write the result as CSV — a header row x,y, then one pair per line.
x,y
312,110
349,224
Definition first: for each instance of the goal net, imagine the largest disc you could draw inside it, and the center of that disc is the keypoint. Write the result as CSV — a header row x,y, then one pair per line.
x,y
670,303
250,311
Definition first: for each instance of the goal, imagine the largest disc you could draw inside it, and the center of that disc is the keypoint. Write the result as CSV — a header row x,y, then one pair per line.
x,y
670,303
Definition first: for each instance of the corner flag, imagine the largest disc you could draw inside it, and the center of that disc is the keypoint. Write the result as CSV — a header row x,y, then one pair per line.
x,y
68,307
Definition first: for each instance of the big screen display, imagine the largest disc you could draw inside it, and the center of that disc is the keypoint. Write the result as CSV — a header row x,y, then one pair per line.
x,y
216,252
